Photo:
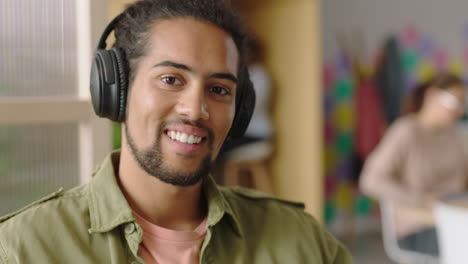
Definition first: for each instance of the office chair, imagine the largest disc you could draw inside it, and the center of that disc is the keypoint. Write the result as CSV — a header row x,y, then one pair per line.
x,y
390,240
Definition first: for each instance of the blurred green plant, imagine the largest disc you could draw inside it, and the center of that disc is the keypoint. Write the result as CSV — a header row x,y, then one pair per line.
x,y
116,135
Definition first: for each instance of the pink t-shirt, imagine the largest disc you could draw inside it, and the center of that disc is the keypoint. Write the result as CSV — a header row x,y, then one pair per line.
x,y
161,245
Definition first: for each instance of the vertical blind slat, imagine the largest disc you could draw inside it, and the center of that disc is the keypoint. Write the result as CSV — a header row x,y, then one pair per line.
x,y
38,48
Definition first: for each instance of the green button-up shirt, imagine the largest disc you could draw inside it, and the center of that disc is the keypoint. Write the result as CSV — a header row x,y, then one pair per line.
x,y
93,223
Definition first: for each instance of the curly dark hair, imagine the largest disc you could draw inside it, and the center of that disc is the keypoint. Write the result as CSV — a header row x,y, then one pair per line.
x,y
131,31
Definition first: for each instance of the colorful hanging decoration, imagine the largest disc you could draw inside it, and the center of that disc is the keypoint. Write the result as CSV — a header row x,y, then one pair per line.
x,y
421,57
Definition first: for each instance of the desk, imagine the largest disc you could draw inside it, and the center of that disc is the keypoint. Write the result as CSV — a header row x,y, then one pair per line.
x,y
451,218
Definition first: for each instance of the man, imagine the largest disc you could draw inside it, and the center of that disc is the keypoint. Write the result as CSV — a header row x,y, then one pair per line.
x,y
154,202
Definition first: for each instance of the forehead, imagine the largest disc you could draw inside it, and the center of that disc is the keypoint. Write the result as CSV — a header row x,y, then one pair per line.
x,y
198,44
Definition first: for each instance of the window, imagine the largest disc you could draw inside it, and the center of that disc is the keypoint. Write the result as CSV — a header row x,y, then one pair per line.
x,y
49,136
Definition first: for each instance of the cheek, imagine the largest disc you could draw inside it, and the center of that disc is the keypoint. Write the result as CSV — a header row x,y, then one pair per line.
x,y
146,111
222,120
230,118
150,103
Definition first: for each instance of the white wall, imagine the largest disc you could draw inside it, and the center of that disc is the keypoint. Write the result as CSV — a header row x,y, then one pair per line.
x,y
443,20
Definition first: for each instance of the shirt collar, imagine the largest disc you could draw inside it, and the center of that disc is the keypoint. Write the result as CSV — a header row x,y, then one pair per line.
x,y
218,206
107,204
109,208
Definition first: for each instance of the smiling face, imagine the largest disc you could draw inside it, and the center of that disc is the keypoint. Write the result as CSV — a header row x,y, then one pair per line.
x,y
182,100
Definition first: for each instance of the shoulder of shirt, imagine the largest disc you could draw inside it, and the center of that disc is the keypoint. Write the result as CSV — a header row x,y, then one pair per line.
x,y
254,196
45,203
405,122
291,214
403,126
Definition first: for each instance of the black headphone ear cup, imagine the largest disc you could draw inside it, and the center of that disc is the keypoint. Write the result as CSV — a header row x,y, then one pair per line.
x,y
101,78
244,109
122,83
96,84
108,84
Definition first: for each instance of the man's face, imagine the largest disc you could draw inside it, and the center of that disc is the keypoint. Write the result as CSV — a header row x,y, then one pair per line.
x,y
182,100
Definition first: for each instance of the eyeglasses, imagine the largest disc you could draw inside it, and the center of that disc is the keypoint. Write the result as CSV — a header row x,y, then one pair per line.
x,y
450,101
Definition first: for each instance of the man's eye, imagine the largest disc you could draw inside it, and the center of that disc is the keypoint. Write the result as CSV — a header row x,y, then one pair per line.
x,y
220,90
170,80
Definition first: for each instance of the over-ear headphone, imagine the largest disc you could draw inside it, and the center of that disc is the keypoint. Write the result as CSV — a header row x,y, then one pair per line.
x,y
109,84
109,79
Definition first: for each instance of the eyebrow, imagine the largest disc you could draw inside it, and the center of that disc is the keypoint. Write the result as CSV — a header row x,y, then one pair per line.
x,y
218,75
173,64
226,76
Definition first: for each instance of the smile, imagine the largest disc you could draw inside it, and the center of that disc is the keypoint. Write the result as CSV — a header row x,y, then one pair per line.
x,y
184,138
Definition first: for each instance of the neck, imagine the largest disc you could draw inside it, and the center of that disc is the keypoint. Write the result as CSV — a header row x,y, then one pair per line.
x,y
427,120
166,205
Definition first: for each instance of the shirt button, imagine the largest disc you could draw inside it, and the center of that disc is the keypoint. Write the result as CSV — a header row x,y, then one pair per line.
x,y
129,228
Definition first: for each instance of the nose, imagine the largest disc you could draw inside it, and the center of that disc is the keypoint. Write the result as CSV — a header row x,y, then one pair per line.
x,y
192,104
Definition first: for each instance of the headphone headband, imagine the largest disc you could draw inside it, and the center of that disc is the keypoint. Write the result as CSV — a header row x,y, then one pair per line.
x,y
105,34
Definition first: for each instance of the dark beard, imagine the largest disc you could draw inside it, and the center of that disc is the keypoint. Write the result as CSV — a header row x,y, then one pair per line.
x,y
151,161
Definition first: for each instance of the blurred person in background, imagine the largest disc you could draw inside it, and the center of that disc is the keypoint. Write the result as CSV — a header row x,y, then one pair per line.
x,y
420,159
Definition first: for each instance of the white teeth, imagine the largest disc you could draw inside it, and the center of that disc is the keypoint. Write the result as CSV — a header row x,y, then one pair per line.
x,y
184,138
191,139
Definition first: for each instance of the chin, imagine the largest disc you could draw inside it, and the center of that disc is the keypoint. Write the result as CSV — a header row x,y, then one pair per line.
x,y
182,173
184,164
182,170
